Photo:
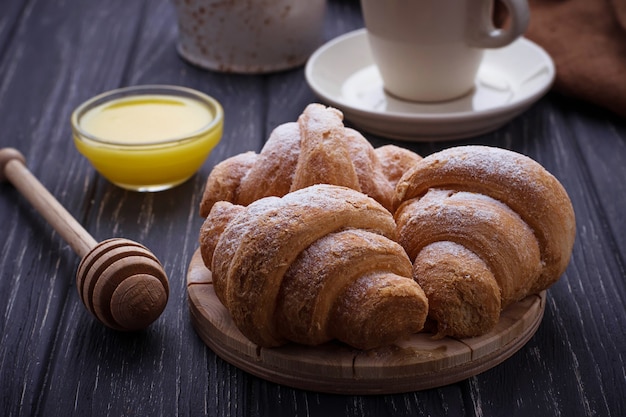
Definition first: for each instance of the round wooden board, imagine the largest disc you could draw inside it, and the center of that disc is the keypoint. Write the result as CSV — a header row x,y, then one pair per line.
x,y
409,365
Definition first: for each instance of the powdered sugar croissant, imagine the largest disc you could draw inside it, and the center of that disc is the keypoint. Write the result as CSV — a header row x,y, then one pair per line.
x,y
485,227
315,265
317,149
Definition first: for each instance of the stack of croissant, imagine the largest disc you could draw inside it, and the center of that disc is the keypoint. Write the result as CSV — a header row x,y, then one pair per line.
x,y
322,237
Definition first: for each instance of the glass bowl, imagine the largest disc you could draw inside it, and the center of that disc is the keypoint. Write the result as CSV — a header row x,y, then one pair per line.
x,y
148,138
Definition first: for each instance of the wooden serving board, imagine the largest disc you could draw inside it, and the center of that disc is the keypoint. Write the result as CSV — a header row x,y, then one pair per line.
x,y
409,365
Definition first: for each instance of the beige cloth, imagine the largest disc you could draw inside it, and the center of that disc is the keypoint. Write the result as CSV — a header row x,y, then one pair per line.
x,y
587,41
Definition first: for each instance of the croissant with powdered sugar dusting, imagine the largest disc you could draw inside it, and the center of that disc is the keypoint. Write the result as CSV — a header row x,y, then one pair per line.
x,y
318,264
317,149
485,227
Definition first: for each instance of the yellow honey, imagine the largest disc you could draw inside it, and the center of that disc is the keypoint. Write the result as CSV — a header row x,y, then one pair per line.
x,y
148,138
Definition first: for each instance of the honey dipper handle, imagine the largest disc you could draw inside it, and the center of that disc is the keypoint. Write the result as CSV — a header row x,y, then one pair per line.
x,y
13,168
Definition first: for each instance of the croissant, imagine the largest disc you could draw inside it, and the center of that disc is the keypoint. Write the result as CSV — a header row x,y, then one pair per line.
x,y
317,264
484,227
317,149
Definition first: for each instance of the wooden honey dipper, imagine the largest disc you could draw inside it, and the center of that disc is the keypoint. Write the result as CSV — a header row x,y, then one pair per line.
x,y
120,281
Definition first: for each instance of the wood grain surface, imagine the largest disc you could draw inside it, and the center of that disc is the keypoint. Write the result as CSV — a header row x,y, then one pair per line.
x,y
417,363
55,360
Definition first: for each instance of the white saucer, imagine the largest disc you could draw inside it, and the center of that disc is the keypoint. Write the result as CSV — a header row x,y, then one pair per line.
x,y
510,79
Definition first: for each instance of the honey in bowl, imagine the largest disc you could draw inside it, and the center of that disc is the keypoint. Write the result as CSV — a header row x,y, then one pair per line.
x,y
148,138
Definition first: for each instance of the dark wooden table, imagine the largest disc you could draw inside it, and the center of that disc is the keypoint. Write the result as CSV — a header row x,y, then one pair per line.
x,y
55,360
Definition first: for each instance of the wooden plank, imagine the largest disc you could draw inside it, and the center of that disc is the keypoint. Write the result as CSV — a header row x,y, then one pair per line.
x,y
41,83
601,146
37,286
96,369
562,357
11,13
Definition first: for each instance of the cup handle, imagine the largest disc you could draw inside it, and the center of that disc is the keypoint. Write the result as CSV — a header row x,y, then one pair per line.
x,y
486,35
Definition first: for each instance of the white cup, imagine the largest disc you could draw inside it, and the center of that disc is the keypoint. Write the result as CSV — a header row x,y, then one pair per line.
x,y
254,36
430,50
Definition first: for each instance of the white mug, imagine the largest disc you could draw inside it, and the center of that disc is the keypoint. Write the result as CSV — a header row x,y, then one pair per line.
x,y
430,50
254,36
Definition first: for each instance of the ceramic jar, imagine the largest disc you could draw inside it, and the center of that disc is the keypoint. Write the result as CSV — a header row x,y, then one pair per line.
x,y
249,36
